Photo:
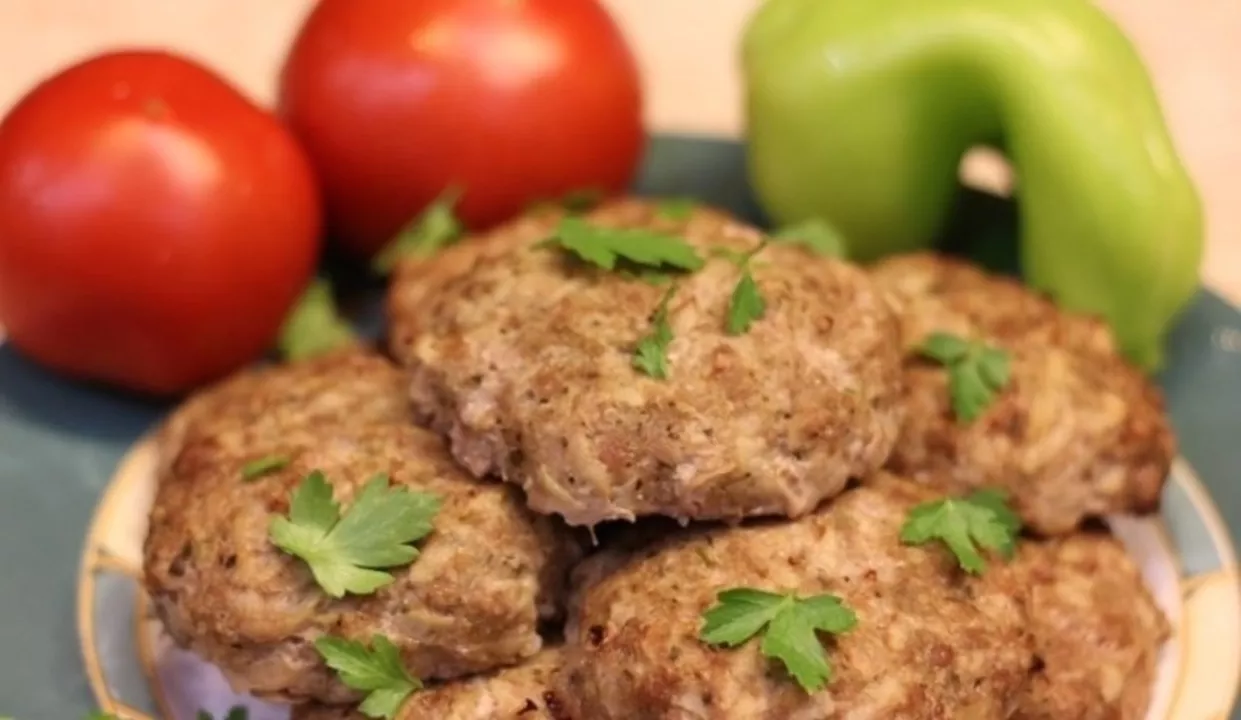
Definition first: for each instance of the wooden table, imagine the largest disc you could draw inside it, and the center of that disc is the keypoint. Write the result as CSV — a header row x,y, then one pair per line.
x,y
687,49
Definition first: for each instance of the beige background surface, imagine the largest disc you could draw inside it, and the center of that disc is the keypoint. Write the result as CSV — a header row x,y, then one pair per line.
x,y
687,49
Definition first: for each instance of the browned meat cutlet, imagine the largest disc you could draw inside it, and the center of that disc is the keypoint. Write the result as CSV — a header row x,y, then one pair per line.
x,y
516,693
930,641
522,358
1097,630
487,576
1077,433
274,406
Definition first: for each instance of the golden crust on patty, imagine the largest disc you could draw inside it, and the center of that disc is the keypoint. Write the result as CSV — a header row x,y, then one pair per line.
x,y
1078,432
522,358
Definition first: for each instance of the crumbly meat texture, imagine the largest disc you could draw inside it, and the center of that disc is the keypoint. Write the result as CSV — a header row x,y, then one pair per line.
x,y
1097,630
931,641
517,693
523,358
1078,432
486,577
287,405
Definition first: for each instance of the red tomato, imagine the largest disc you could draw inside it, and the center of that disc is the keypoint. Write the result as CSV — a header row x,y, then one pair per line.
x,y
155,225
513,100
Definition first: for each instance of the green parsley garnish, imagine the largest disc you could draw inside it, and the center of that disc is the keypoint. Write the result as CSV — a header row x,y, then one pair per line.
x,y
976,372
314,326
651,356
435,228
790,627
746,305
981,519
344,551
376,670
675,208
606,247
265,465
818,235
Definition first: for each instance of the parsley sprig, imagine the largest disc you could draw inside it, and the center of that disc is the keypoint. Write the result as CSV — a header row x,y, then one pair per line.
x,y
817,235
345,550
314,326
789,624
746,304
263,466
433,229
655,256
377,671
676,208
607,247
979,520
977,372
647,255
651,355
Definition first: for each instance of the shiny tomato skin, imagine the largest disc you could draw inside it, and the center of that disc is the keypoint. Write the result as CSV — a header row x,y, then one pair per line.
x,y
515,101
155,225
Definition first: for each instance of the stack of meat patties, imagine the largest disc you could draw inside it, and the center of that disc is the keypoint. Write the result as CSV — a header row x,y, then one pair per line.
x,y
593,511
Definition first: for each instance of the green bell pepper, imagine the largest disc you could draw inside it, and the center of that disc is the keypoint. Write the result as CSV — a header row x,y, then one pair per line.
x,y
859,112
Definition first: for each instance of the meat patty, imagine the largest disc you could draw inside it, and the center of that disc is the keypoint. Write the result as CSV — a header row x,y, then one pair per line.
x,y
488,574
931,642
1077,433
516,693
523,359
1097,630
280,405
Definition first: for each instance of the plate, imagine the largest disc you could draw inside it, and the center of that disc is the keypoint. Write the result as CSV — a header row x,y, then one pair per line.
x,y
76,480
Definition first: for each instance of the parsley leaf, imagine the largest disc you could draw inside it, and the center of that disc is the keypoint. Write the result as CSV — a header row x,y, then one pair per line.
x,y
996,501
314,326
792,626
651,356
976,372
343,551
605,246
97,715
818,235
265,465
746,304
434,228
377,670
982,519
676,208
